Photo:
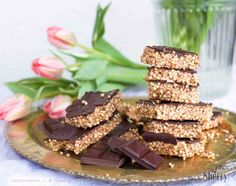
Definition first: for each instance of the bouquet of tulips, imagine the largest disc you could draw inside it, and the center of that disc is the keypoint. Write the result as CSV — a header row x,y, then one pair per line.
x,y
98,68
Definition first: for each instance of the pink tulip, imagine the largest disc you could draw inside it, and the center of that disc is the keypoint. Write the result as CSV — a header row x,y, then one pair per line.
x,y
15,107
56,107
48,67
61,38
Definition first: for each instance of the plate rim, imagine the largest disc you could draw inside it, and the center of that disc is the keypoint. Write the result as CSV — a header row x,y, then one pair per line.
x,y
107,178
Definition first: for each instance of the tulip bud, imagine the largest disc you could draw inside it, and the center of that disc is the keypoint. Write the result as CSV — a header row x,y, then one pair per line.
x,y
61,38
48,67
15,107
56,107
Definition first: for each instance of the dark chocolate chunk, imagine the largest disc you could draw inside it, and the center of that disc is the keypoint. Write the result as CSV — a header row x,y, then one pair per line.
x,y
216,114
170,50
163,137
87,104
136,151
101,154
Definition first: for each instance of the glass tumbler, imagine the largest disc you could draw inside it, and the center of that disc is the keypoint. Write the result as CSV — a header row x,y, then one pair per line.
x,y
207,27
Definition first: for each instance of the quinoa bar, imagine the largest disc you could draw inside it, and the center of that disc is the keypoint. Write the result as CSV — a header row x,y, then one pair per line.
x,y
216,119
166,144
179,129
172,58
153,109
92,108
169,91
70,138
188,77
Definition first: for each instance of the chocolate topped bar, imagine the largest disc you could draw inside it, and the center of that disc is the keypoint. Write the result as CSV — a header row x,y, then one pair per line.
x,y
172,91
170,50
92,108
167,144
171,58
154,109
70,138
180,129
188,77
87,103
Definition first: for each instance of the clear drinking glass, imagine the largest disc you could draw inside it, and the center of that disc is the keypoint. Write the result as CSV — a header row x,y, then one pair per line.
x,y
207,27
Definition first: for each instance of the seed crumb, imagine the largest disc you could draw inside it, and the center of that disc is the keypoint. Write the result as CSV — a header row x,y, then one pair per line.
x,y
172,165
84,102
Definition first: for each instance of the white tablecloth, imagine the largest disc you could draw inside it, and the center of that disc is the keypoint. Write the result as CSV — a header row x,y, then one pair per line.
x,y
18,171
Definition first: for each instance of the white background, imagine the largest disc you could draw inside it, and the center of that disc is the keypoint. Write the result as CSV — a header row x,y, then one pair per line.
x,y
23,24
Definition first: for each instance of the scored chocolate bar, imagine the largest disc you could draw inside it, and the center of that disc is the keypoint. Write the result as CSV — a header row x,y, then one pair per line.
x,y
70,138
92,108
172,58
188,77
154,109
136,151
171,91
167,144
102,155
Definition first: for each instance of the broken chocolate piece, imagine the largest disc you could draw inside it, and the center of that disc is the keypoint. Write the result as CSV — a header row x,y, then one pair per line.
x,y
101,154
137,151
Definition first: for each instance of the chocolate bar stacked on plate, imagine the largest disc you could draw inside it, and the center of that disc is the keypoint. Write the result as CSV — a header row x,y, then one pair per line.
x,y
173,116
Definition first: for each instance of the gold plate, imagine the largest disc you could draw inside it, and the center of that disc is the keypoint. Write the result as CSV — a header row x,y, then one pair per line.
x,y
26,138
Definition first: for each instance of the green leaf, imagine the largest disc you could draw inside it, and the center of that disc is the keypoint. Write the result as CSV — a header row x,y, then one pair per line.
x,y
21,89
99,27
90,70
39,88
86,86
111,86
100,80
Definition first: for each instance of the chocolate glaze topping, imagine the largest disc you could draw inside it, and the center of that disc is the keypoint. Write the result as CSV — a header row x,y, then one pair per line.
x,y
169,50
163,137
87,104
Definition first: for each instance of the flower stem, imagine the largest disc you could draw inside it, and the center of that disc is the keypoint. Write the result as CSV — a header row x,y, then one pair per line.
x,y
126,75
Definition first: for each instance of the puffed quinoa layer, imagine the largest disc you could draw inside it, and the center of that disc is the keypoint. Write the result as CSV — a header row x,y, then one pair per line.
x,y
182,149
179,129
80,144
214,122
172,92
170,60
168,111
101,113
188,77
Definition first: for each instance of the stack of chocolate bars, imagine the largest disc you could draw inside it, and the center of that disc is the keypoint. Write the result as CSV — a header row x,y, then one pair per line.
x,y
87,121
173,117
